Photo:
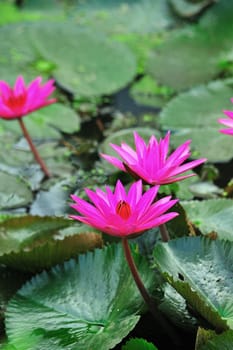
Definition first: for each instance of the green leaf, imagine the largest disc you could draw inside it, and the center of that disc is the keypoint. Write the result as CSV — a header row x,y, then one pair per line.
x,y
197,51
212,215
88,64
21,232
46,123
147,92
222,341
120,16
174,306
194,59
193,115
33,243
200,270
139,344
87,303
15,192
187,8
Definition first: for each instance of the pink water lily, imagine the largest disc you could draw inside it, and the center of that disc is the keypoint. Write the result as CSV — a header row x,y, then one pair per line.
x,y
227,122
151,162
21,100
123,214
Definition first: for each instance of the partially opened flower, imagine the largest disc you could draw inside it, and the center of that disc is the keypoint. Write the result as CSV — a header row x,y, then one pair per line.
x,y
151,162
227,122
21,100
122,214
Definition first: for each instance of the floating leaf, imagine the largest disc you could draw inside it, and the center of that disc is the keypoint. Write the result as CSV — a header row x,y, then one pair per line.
x,y
139,344
53,201
200,269
174,306
197,51
147,92
15,192
46,123
222,341
193,115
64,308
32,243
187,9
120,16
212,215
87,63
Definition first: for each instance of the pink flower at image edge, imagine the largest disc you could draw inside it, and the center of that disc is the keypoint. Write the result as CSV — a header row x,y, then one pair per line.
x,y
151,161
123,214
21,100
227,122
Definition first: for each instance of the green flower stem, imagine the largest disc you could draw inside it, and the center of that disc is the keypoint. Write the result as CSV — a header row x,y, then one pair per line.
x,y
33,148
164,233
137,277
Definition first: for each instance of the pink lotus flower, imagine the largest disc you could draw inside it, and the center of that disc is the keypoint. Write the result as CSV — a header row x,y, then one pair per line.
x,y
21,100
151,162
227,122
122,214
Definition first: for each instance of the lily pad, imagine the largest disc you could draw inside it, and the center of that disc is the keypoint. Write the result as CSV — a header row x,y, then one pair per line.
x,y
46,123
187,9
212,215
139,344
147,92
222,341
193,115
88,64
197,50
15,192
33,243
120,16
200,269
186,58
63,308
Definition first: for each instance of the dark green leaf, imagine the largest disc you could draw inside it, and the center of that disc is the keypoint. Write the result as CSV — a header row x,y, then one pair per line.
x,y
89,303
213,215
201,271
139,344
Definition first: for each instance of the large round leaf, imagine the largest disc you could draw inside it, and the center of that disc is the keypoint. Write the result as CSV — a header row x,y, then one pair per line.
x,y
87,63
193,55
89,303
201,271
193,115
186,58
213,215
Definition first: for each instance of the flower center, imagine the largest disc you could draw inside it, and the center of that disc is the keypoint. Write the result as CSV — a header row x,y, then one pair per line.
x,y
15,102
123,209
